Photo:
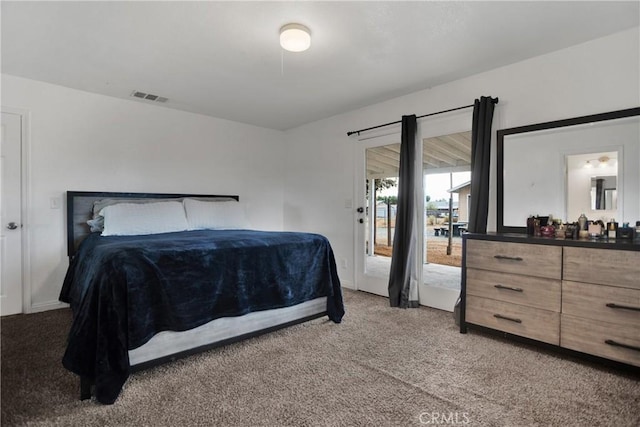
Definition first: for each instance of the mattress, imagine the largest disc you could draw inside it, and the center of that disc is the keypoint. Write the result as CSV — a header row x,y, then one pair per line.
x,y
167,343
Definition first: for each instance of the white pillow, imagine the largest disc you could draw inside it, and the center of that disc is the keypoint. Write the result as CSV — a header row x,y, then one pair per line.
x,y
128,219
215,215
96,223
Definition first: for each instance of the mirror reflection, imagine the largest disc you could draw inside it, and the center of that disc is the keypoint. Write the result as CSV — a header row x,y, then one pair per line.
x,y
603,193
592,183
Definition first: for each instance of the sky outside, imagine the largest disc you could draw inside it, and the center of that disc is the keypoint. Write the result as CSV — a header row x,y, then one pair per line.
x,y
436,185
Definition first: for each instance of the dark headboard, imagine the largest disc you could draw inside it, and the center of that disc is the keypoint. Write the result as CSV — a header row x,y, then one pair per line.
x,y
80,210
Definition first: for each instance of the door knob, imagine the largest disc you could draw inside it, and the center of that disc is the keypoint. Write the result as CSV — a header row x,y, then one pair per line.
x,y
360,210
12,226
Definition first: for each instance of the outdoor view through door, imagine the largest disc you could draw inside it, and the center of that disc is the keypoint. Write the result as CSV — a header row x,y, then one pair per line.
x,y
447,176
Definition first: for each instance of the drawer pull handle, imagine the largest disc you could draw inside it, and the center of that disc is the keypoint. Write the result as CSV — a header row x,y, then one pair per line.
x,y
618,344
509,258
511,319
509,288
623,307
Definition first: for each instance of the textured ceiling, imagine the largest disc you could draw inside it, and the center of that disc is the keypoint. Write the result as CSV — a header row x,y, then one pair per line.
x,y
223,59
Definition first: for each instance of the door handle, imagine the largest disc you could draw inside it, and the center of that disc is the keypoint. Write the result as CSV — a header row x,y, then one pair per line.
x,y
12,226
360,210
361,221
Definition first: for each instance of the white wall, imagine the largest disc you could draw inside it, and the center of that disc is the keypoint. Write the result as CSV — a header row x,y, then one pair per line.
x,y
300,180
84,141
594,77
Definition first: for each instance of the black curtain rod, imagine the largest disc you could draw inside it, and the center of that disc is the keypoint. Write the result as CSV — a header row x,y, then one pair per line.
x,y
495,101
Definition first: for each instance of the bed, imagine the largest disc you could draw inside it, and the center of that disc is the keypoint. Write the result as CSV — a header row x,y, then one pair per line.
x,y
141,298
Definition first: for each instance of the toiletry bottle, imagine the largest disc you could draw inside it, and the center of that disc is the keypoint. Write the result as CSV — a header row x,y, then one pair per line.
x,y
560,230
536,227
530,221
612,228
582,222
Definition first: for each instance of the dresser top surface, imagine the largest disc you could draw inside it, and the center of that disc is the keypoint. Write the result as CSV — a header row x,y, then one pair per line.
x,y
619,244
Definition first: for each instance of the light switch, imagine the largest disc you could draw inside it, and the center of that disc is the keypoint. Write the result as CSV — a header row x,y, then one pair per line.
x,y
54,202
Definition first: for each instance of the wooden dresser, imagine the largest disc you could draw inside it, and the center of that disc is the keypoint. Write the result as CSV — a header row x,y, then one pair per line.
x,y
575,294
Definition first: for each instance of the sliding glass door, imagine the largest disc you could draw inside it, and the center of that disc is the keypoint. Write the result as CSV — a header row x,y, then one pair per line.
x,y
446,168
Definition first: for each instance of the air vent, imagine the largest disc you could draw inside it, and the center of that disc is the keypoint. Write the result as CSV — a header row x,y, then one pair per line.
x,y
148,96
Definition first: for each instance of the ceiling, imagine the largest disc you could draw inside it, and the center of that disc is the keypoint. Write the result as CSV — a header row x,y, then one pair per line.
x,y
441,154
223,59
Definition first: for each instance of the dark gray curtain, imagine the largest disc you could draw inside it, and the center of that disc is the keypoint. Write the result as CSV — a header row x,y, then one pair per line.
x,y
480,163
404,242
600,194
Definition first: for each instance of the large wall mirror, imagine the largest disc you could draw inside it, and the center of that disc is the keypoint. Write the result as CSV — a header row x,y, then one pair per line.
x,y
588,164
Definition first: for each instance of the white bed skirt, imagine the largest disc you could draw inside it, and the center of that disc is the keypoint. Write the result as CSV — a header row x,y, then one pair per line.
x,y
167,343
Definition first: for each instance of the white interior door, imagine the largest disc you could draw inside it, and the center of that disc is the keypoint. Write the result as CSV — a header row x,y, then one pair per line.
x,y
10,214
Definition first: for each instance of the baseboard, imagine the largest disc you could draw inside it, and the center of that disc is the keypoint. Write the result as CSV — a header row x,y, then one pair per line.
x,y
348,285
46,306
55,305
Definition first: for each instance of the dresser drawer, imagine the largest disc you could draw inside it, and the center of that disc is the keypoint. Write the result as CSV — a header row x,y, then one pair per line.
x,y
534,323
518,258
524,290
602,266
601,339
604,303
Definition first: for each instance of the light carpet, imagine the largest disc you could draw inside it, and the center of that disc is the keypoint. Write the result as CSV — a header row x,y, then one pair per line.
x,y
379,367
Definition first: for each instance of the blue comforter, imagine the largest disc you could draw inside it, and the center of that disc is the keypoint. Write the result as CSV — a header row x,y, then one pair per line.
x,y
125,289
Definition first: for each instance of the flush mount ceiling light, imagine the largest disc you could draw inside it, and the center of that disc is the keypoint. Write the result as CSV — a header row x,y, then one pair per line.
x,y
604,161
295,37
